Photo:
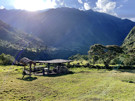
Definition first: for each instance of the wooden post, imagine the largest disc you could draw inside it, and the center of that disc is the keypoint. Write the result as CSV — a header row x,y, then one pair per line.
x,y
30,69
68,64
59,66
24,73
48,68
34,68
43,71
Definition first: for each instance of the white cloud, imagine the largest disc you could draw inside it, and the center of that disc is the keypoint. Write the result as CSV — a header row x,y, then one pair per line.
x,y
130,18
133,19
60,2
80,1
50,3
119,6
2,7
86,6
81,8
106,6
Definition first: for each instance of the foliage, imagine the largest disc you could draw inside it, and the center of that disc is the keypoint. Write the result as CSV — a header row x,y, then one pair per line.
x,y
129,42
13,41
128,59
124,59
6,59
79,62
105,53
116,60
79,57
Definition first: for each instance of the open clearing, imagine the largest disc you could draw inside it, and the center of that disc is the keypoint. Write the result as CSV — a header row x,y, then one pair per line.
x,y
83,85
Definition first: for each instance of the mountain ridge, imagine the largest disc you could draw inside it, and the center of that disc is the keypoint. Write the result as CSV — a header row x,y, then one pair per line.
x,y
129,42
69,29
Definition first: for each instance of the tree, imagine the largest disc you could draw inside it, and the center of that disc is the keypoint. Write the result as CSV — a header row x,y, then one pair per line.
x,y
6,59
105,53
78,57
129,61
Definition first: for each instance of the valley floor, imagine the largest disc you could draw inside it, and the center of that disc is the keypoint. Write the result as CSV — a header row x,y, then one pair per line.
x,y
83,85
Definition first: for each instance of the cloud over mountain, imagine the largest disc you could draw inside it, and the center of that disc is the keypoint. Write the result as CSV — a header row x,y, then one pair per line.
x,y
106,6
2,7
87,6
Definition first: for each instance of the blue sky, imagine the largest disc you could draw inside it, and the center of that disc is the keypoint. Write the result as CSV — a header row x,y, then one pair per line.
x,y
119,8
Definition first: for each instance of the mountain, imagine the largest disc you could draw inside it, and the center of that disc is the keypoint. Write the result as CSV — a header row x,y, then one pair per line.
x,y
12,35
129,42
13,41
68,30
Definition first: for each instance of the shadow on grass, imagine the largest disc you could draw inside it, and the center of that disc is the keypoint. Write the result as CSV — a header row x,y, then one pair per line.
x,y
128,81
56,75
127,70
28,78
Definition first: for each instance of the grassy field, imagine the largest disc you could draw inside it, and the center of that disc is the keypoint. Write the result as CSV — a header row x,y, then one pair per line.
x,y
83,85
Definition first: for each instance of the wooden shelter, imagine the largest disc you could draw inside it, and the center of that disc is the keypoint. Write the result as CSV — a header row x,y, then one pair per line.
x,y
58,68
25,61
58,65
55,61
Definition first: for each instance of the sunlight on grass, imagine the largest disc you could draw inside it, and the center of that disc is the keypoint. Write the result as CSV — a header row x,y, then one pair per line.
x,y
83,85
81,62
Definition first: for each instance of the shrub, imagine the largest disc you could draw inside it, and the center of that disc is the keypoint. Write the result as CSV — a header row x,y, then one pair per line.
x,y
6,59
129,61
117,60
124,59
79,57
105,53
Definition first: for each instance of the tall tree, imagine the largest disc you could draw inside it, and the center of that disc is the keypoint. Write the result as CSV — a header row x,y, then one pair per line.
x,y
105,53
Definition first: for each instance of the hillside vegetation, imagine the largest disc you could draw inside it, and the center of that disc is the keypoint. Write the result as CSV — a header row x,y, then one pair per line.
x,y
6,59
13,41
19,39
70,31
129,42
111,54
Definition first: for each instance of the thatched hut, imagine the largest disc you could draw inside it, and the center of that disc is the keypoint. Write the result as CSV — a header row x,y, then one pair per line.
x,y
59,68
25,61
56,63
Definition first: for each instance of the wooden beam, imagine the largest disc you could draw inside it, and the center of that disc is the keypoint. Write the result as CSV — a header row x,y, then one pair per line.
x,y
48,68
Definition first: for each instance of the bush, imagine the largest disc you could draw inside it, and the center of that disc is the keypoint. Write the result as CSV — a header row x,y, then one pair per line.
x,y
117,61
79,57
130,61
124,59
6,59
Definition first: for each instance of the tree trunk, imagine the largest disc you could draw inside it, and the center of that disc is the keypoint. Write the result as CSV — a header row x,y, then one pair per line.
x,y
106,65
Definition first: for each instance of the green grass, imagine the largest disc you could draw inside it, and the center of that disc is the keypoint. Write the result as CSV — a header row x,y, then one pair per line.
x,y
84,85
81,62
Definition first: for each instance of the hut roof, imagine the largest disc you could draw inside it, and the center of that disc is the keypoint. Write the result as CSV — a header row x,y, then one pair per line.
x,y
54,61
25,61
